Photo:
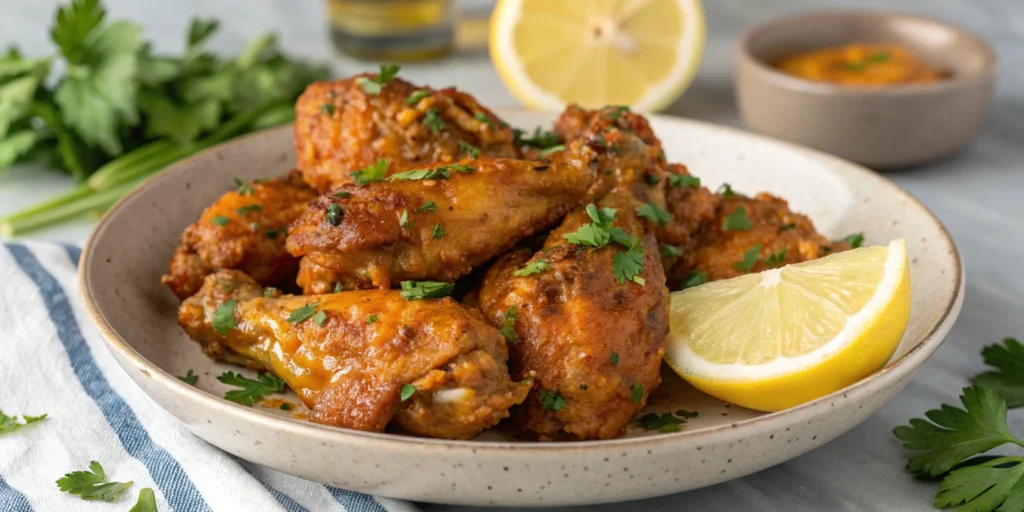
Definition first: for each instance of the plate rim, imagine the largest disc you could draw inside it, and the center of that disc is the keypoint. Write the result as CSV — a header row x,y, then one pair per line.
x,y
386,441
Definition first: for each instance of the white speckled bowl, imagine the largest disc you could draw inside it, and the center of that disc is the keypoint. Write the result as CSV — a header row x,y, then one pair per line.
x,y
120,277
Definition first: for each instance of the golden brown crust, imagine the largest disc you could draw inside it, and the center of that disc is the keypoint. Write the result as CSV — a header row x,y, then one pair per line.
x,y
349,371
693,209
252,238
340,128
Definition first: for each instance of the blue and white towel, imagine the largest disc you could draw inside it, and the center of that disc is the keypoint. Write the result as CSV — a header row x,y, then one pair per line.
x,y
53,361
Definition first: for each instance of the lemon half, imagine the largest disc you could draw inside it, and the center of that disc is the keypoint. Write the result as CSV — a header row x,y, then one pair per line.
x,y
777,339
641,53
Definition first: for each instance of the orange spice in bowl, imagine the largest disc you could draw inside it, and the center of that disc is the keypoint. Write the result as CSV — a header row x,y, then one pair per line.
x,y
861,64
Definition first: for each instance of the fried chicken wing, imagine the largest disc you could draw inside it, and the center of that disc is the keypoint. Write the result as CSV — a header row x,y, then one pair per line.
x,y
340,128
594,343
349,366
693,209
437,229
244,229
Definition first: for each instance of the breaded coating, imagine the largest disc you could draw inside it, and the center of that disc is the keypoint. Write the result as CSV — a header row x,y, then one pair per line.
x,y
693,209
349,366
244,229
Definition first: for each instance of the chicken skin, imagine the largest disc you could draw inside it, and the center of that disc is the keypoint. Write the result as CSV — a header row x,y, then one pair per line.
x,y
437,229
244,229
594,343
693,209
350,365
340,128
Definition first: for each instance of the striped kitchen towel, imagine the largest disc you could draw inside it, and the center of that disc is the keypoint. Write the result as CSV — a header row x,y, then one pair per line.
x,y
53,361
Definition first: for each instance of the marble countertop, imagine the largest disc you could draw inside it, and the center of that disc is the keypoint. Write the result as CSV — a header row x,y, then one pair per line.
x,y
976,194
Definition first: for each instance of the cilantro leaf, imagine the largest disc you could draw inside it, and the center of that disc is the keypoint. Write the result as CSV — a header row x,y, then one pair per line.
x,y
438,231
253,390
19,84
15,145
695,278
726,190
189,378
408,390
996,484
333,214
629,264
749,259
654,213
417,290
670,251
92,485
224,317
428,206
403,221
471,150
199,30
666,421
535,267
682,180
737,221
615,358
220,220
434,123
508,325
480,116
371,173
637,392
320,318
416,96
10,423
440,173
74,24
550,402
953,434
778,259
247,209
855,240
371,318
146,501
300,314
541,139
596,233
181,122
544,153
375,85
1007,378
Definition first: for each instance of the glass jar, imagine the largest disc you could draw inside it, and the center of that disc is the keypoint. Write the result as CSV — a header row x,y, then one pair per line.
x,y
392,30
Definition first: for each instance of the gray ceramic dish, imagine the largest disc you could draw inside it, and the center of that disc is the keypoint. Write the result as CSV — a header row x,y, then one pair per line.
x,y
881,127
129,250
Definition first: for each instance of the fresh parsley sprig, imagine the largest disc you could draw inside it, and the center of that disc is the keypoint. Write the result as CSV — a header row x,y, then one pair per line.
x,y
373,85
1007,376
418,290
534,267
10,423
253,390
92,484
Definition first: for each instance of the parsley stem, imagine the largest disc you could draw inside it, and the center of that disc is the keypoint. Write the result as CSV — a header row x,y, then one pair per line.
x,y
75,193
97,202
99,179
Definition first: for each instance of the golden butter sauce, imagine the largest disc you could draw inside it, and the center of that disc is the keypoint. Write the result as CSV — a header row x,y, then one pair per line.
x,y
861,64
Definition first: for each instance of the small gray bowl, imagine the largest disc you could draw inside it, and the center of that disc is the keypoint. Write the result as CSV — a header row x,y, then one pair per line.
x,y
882,127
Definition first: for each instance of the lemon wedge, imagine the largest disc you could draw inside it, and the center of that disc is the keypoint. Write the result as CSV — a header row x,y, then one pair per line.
x,y
786,336
641,53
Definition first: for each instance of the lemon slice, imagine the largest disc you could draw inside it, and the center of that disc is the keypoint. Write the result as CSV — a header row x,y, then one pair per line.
x,y
786,336
641,53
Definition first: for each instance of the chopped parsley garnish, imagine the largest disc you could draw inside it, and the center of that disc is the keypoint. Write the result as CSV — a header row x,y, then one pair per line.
x,y
778,259
737,221
508,325
284,407
224,317
615,358
320,318
371,173
338,288
652,179
333,214
670,251
749,259
787,227
408,390
826,248
480,116
855,240
416,290
695,278
220,220
438,231
550,402
327,108
614,112
11,423
244,210
654,213
253,390
471,150
596,233
428,206
535,267
879,57
433,123
437,173
243,189
666,421
403,221
343,195
725,190
269,291
547,151
273,233
682,180
1007,375
92,485
371,318
189,378
541,139
375,85
637,392
629,264
416,96
302,313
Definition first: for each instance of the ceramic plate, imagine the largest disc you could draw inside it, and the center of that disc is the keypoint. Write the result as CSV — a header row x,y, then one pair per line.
x,y
129,250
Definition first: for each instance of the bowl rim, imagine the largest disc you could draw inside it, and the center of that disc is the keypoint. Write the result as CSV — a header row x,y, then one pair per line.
x,y
744,57
936,333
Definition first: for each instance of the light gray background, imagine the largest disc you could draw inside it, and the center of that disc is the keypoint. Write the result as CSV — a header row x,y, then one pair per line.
x,y
977,194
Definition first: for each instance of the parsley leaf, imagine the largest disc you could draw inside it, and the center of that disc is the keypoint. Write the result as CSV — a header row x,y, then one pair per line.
x,y
629,264
416,290
596,233
749,259
550,402
371,318
375,85
544,153
320,318
614,112
244,210
508,325
300,314
737,221
996,484
855,240
541,139
253,390
328,108
338,288
535,267
480,116
428,206
695,278
637,392
778,259
343,194
10,423
471,150
416,96
1007,378
953,434
664,422
92,484
615,358
437,173
403,221
787,227
269,291
725,190
333,214
220,220
371,173
146,501
434,123
189,378
654,213
244,189
224,317
682,180
670,251
408,390
438,231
